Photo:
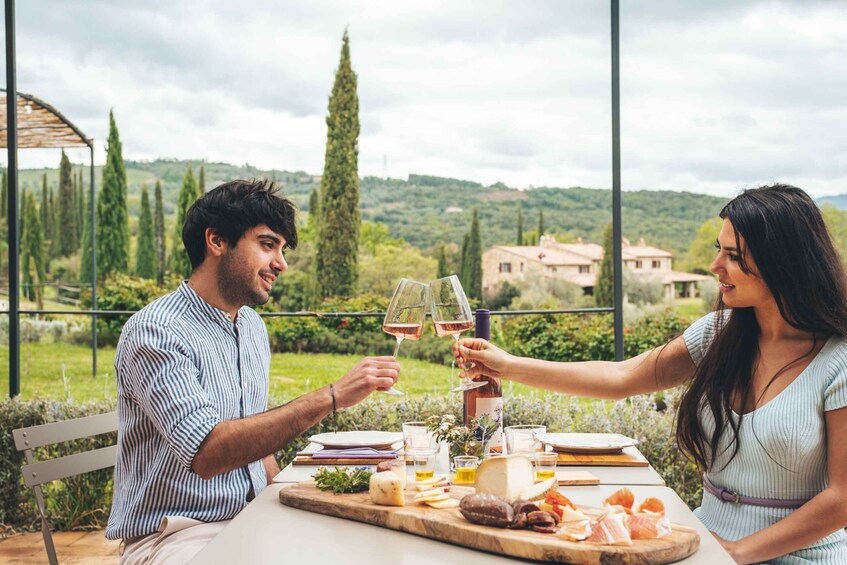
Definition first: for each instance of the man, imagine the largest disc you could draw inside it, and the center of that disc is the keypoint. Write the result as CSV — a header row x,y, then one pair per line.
x,y
195,442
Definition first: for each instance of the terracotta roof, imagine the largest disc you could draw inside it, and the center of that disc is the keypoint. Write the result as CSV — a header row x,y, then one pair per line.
x,y
552,257
40,125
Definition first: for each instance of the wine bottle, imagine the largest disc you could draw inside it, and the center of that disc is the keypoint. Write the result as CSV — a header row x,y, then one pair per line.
x,y
489,398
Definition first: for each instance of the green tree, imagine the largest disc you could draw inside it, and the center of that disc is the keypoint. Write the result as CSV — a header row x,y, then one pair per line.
x,y
338,228
519,238
700,255
46,218
314,208
540,222
604,289
80,205
32,252
464,268
69,241
180,264
474,288
443,270
112,215
85,260
145,256
201,182
159,234
381,270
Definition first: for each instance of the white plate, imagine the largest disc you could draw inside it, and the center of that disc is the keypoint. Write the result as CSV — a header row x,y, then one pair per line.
x,y
349,440
589,443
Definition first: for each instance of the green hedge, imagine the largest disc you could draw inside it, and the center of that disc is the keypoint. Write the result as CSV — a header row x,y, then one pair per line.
x,y
83,502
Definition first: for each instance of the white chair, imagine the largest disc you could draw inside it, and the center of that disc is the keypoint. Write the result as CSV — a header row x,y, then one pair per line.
x,y
36,474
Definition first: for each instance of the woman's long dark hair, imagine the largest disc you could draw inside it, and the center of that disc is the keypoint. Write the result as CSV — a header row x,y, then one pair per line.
x,y
785,233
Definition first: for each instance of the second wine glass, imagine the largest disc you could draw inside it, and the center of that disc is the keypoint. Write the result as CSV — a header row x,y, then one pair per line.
x,y
452,315
405,316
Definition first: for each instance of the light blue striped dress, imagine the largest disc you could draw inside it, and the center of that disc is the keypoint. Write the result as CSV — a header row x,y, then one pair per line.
x,y
782,451
182,367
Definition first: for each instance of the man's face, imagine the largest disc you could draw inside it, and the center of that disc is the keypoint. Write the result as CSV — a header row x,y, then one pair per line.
x,y
249,268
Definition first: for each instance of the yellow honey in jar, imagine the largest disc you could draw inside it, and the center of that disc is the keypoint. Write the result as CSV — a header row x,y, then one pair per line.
x,y
465,476
422,475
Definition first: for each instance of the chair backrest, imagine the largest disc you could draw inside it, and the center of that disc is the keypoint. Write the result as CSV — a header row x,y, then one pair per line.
x,y
36,474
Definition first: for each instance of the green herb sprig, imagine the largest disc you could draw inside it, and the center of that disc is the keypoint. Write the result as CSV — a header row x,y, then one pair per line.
x,y
343,479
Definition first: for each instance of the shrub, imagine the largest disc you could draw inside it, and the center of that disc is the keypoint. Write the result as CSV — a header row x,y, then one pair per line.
x,y
80,502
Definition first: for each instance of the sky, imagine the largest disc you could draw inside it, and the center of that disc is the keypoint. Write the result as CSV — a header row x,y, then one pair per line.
x,y
715,96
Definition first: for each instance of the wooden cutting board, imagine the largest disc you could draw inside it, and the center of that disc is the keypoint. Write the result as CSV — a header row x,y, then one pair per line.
x,y
629,457
576,478
449,526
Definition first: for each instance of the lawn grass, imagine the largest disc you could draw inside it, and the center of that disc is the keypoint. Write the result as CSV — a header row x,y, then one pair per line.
x,y
62,371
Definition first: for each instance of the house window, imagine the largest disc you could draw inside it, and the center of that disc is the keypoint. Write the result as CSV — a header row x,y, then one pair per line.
x,y
657,264
553,269
505,267
638,265
522,267
585,268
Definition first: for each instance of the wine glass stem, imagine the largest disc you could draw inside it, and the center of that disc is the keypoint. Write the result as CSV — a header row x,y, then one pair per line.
x,y
397,346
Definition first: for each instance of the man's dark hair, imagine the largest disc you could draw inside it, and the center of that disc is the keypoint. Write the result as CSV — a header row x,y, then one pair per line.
x,y
233,208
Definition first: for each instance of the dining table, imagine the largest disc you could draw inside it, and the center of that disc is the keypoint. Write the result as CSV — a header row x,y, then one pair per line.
x,y
269,532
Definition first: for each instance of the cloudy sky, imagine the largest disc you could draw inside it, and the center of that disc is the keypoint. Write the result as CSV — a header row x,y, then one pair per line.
x,y
716,96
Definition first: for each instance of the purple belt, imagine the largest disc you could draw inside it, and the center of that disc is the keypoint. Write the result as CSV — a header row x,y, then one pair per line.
x,y
729,496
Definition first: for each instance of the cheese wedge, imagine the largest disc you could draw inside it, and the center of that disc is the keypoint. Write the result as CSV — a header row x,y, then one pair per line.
x,y
441,504
538,490
386,489
506,477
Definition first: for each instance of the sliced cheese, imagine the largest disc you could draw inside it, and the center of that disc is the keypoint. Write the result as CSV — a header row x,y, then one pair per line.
x,y
432,481
539,490
505,477
435,498
429,493
441,504
386,489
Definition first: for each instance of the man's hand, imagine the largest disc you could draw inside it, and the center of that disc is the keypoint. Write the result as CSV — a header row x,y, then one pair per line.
x,y
370,374
486,358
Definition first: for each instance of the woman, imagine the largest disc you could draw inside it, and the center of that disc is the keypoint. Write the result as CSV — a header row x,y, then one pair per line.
x,y
763,413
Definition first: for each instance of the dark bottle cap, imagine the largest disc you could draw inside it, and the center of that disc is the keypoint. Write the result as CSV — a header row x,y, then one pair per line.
x,y
483,323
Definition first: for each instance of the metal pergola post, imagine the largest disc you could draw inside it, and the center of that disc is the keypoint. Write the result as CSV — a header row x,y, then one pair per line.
x,y
616,180
92,223
12,201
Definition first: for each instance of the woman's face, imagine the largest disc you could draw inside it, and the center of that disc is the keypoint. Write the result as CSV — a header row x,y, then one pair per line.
x,y
739,289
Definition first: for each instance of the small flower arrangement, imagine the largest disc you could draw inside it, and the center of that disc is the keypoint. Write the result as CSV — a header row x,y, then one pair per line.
x,y
464,440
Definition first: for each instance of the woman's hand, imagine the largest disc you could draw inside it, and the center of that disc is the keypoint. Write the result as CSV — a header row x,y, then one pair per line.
x,y
485,358
731,547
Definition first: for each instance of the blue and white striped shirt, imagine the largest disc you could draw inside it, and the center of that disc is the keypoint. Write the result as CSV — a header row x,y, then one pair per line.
x,y
182,367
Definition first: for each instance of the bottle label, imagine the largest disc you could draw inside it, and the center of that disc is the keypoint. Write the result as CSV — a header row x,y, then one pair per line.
x,y
494,408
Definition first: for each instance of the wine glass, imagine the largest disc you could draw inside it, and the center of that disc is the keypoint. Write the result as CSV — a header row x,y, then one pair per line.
x,y
405,316
452,315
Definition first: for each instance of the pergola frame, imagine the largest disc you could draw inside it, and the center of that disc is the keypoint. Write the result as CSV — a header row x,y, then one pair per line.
x,y
12,131
35,124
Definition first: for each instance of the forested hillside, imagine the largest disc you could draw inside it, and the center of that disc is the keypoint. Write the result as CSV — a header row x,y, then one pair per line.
x,y
416,209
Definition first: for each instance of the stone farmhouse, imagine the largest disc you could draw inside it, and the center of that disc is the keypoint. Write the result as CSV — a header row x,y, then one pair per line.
x,y
579,263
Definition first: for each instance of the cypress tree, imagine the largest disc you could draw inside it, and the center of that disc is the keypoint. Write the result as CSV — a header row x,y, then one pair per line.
x,y
474,288
201,182
85,261
314,207
604,290
443,270
464,270
45,213
180,263
112,216
80,200
159,234
69,241
187,197
32,252
540,223
145,257
520,227
338,228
